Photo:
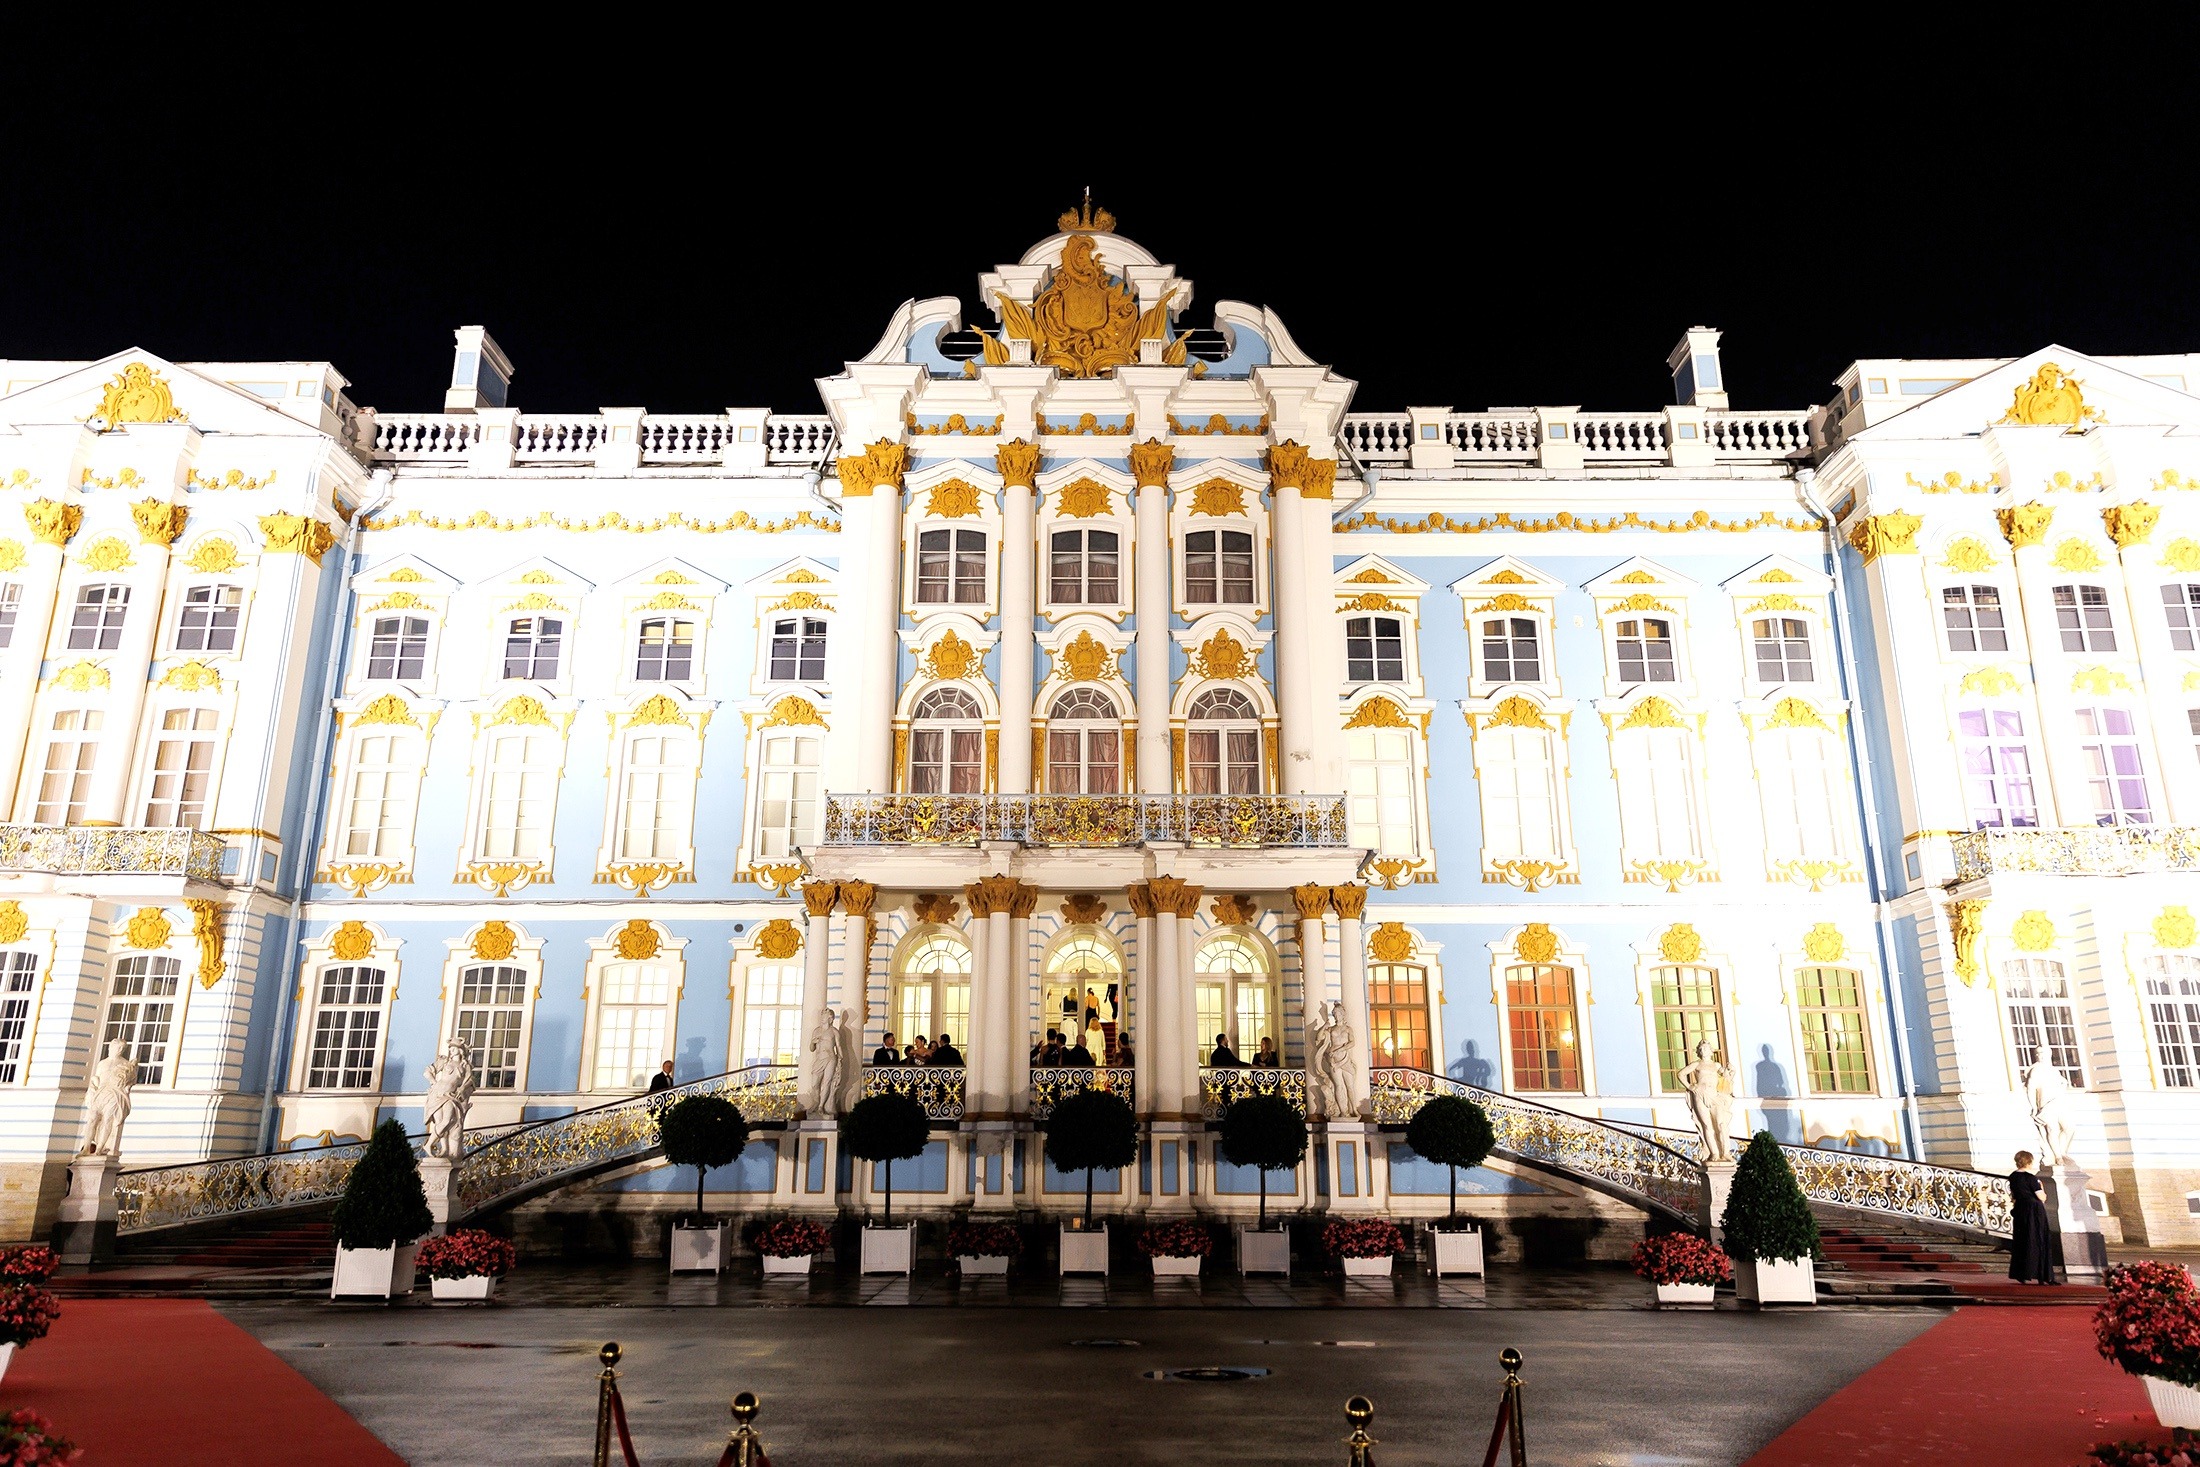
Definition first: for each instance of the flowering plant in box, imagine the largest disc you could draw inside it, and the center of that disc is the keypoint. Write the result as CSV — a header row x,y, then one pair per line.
x,y
2181,1451
2151,1322
1176,1240
27,1440
466,1254
984,1240
1682,1258
35,1263
26,1313
792,1237
1373,1237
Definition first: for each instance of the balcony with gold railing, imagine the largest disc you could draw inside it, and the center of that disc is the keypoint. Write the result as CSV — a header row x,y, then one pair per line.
x,y
938,1088
1050,1085
1219,1087
111,850
1091,822
2085,850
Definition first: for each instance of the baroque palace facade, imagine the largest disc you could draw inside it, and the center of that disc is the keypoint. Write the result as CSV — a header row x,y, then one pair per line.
x,y
1091,671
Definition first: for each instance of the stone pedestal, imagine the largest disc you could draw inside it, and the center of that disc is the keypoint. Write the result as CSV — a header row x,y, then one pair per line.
x,y
1350,1149
1720,1174
2084,1250
86,1229
435,1180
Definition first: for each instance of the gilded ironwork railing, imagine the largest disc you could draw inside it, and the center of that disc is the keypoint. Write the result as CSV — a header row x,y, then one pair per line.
x,y
591,1140
1612,1158
100,850
1085,821
1051,1085
2108,850
1217,1088
165,1196
938,1088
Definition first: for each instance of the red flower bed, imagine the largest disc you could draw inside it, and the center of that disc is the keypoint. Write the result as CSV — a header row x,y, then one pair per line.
x,y
35,1263
1176,1240
468,1253
1682,1258
26,1313
984,1240
2181,1452
1372,1237
2151,1322
792,1237
27,1440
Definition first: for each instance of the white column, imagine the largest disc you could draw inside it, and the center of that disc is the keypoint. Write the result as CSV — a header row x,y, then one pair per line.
x,y
1351,905
128,666
1293,657
871,558
1141,986
1312,902
1012,1062
1151,572
850,760
854,978
40,578
1171,1058
817,947
1325,635
1000,967
1018,552
982,991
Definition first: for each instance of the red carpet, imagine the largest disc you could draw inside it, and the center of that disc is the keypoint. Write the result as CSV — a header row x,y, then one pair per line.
x,y
170,1381
2015,1387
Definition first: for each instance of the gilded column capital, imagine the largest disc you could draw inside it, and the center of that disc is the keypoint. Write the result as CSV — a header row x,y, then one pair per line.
x,y
931,907
1140,899
1892,533
2025,524
858,897
1291,465
1084,907
818,897
1175,897
2130,524
991,895
53,522
1312,902
158,523
1235,911
1349,902
1150,464
1024,900
879,466
1018,461
297,534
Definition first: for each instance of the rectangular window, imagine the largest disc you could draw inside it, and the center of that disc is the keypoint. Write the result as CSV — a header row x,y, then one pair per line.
x,y
1972,615
2081,615
492,1009
1223,761
1519,794
946,761
1397,1015
655,810
347,1028
531,648
1379,791
208,622
1645,651
11,600
951,567
385,777
399,648
1539,1019
18,982
631,1035
183,768
1218,567
788,794
96,623
1805,794
1997,768
66,785
1375,649
2109,745
1782,645
1684,1006
2173,1013
798,650
665,652
1511,650
1656,770
1085,567
521,799
2180,601
1836,1050
2041,1020
771,1016
141,1012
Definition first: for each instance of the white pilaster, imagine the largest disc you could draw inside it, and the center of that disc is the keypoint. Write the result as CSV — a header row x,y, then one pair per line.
x,y
1350,903
1018,553
1150,602
40,579
817,945
1294,658
128,666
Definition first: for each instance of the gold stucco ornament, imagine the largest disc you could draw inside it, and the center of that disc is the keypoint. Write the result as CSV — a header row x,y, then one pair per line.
x,y
778,940
638,941
1390,942
2173,928
1085,322
1680,944
1825,944
494,941
138,395
351,942
148,929
1536,943
2033,932
2052,396
14,922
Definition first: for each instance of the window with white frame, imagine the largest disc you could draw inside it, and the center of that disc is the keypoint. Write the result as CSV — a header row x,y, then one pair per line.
x,y
932,987
656,796
492,1019
771,1015
2181,603
398,648
1512,650
1380,774
664,650
947,745
1218,567
1997,768
18,987
1222,744
2042,1023
183,768
65,785
2108,743
1398,1016
11,601
95,625
347,1028
2082,617
1804,793
1645,649
798,649
1082,993
1972,616
788,796
141,1014
1084,745
633,1023
520,794
951,567
1837,1055
1084,568
1781,645
1517,772
2173,1014
1542,1021
1656,771
532,647
208,621
1235,994
1375,649
385,786
1684,1012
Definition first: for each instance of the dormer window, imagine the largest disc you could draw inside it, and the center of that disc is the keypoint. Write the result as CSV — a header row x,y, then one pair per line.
x,y
399,648
1511,650
1645,646
665,652
531,648
798,649
1375,649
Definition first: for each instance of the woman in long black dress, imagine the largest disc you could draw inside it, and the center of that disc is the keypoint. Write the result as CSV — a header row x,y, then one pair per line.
x,y
2031,1249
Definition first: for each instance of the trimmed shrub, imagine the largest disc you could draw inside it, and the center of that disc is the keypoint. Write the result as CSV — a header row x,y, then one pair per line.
x,y
1093,1128
1267,1132
1767,1217
1452,1132
886,1128
702,1131
384,1204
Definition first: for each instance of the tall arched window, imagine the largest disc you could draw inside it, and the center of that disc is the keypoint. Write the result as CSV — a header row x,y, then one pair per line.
x,y
665,651
1085,567
633,1023
399,648
947,745
1836,1047
65,788
18,985
1235,993
520,799
771,1015
1645,649
1084,993
1222,745
141,1014
532,646
208,621
2173,1012
1656,771
932,988
1084,745
1397,1015
1518,775
347,1028
656,803
2108,741
95,625
183,768
1997,768
1541,1022
492,1013
1684,1008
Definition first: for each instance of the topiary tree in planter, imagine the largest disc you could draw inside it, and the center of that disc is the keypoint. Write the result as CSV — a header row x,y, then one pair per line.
x,y
1452,1132
1266,1132
1767,1217
886,1128
1093,1128
384,1205
702,1131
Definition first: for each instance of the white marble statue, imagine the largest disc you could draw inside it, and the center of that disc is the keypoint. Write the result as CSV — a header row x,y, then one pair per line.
x,y
107,1104
1711,1101
2049,1096
1340,1061
829,1045
1319,1099
451,1087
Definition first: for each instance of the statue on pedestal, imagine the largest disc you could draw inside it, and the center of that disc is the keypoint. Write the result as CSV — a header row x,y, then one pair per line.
x,y
1711,1101
829,1044
1319,1100
2049,1096
1337,1062
107,1103
451,1087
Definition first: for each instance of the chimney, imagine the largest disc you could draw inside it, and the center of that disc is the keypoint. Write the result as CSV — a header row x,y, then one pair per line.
x,y
1697,379
481,374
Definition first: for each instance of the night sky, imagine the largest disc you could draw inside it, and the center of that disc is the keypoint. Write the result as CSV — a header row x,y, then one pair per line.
x,y
1460,258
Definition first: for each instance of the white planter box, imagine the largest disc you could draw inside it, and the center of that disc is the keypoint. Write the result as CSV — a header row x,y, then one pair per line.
x,y
1260,1252
1686,1296
978,1265
1455,1252
473,1286
2174,1404
700,1250
1775,1281
373,1273
7,1353
1085,1252
888,1250
799,1264
1368,1268
1176,1268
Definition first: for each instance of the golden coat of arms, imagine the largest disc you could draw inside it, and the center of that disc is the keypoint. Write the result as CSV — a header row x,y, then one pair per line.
x,y
137,396
2052,396
1085,322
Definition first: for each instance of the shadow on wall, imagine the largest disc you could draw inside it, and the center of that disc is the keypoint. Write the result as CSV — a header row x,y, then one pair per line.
x,y
691,1064
1470,1068
1772,1084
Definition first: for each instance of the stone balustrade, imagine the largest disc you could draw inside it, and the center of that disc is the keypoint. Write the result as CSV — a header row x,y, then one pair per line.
x,y
1085,821
1440,438
526,439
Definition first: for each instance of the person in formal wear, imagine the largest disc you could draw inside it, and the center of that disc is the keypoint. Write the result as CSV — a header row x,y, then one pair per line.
x,y
662,1080
1125,1057
886,1053
1266,1058
2031,1246
915,1050
1224,1057
944,1052
1078,1056
1092,1009
1051,1052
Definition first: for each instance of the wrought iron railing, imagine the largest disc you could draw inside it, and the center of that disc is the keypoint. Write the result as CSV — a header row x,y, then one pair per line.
x,y
1219,1087
1613,1158
1090,821
99,850
2108,850
1050,1086
166,1196
938,1088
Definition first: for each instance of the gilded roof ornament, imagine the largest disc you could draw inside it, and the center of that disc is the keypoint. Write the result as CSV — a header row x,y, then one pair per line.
x,y
2052,396
1086,322
138,395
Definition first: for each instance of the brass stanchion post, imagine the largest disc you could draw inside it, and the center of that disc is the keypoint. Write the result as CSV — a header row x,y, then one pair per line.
x,y
605,1385
745,1447
1360,1411
1511,1361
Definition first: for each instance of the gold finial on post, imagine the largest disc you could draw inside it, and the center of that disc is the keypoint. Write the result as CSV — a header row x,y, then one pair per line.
x,y
1510,1361
1360,1411
606,1385
744,1447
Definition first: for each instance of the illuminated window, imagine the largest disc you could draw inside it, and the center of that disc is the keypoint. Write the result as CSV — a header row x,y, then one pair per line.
x,y
1540,1021
1836,1049
1084,745
1684,1008
656,803
347,1029
1084,993
1397,1015
1656,770
1235,994
1804,793
933,988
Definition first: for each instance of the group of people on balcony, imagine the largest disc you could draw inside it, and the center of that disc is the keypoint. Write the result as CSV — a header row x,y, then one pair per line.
x,y
1074,1052
919,1051
1225,1057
